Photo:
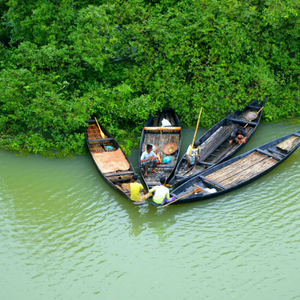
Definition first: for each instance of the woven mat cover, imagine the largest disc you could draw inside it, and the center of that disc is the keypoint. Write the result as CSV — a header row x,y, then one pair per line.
x,y
111,161
289,143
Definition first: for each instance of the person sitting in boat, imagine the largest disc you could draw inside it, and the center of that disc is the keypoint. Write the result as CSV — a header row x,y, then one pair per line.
x,y
165,123
160,193
193,155
149,158
135,189
239,136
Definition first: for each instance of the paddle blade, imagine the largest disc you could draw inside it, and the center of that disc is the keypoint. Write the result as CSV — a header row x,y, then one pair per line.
x,y
198,190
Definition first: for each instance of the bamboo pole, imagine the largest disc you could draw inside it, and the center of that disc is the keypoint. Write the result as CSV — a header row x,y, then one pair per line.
x,y
195,132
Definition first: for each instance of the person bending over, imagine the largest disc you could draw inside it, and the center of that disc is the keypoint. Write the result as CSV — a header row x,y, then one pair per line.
x,y
239,136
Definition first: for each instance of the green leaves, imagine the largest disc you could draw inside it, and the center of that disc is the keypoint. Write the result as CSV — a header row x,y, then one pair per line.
x,y
61,62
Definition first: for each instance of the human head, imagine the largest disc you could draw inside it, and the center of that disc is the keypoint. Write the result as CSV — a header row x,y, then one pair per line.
x,y
196,144
162,180
135,177
149,147
240,137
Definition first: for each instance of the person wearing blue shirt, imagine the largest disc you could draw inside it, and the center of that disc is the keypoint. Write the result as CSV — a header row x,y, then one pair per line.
x,y
149,158
238,136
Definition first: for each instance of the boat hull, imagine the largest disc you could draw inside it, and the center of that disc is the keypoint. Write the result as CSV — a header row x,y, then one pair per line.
x,y
239,171
109,158
214,144
160,138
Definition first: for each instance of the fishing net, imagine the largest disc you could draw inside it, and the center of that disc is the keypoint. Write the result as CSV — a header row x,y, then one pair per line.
x,y
250,115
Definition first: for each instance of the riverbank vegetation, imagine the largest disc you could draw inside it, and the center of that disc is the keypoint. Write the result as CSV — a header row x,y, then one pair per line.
x,y
64,61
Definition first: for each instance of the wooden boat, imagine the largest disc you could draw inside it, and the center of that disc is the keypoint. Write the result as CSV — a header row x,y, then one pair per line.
x,y
110,159
166,142
214,144
238,171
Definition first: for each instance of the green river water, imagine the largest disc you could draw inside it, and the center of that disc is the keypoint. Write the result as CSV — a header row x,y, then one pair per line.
x,y
65,234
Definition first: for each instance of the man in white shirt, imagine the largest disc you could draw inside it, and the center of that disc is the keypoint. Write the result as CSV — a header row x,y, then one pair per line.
x,y
149,158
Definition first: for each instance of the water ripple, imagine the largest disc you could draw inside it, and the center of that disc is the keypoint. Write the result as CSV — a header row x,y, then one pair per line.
x,y
65,234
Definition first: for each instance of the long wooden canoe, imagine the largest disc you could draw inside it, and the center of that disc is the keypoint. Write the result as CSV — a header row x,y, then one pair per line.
x,y
165,140
110,159
214,144
238,171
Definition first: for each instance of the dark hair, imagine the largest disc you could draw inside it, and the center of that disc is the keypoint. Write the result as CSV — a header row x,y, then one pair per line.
x,y
149,147
196,143
162,180
135,177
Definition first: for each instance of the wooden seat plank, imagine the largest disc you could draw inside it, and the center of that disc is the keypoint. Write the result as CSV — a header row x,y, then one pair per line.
x,y
213,183
101,140
119,174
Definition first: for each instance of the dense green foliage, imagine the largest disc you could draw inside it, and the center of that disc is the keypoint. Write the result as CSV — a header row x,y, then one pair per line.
x,y
63,61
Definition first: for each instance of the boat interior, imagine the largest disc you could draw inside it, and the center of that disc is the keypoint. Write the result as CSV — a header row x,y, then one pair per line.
x,y
109,158
166,145
216,147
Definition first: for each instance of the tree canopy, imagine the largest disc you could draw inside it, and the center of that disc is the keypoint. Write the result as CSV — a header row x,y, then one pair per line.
x,y
64,61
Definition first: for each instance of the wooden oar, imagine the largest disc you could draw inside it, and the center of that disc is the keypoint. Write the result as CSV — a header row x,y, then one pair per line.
x,y
101,132
195,132
254,118
194,191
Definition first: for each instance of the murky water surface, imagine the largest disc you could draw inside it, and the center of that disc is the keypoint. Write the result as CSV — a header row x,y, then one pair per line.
x,y
65,234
